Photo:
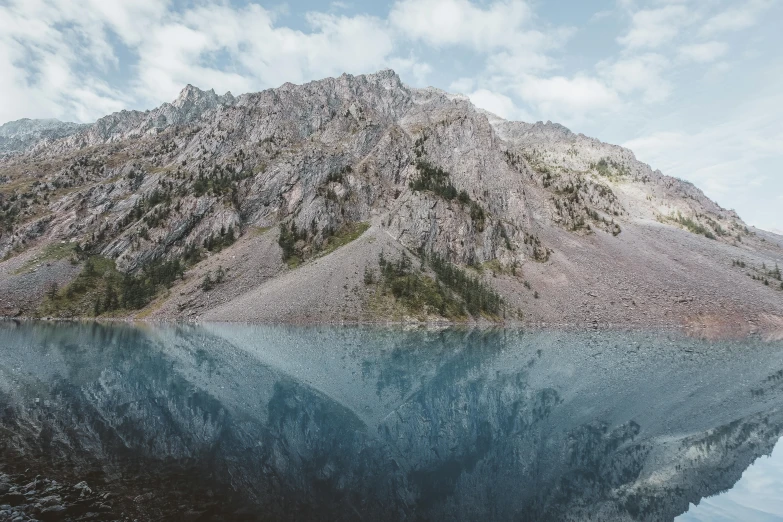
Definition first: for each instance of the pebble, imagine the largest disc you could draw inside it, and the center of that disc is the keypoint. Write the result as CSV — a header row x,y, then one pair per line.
x,y
43,500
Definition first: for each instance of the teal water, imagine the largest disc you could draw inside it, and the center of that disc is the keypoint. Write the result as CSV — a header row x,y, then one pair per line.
x,y
333,423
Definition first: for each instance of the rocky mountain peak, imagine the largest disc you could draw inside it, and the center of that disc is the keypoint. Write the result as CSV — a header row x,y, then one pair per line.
x,y
20,135
27,125
417,169
387,78
192,98
191,94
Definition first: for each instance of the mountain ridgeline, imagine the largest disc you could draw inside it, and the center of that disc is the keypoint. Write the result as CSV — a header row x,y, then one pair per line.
x,y
359,198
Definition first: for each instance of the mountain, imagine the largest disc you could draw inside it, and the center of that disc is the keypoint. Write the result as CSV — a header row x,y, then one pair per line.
x,y
21,135
359,198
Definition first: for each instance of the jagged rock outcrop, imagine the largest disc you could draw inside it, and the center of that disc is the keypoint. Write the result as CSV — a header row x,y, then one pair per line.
x,y
550,213
21,135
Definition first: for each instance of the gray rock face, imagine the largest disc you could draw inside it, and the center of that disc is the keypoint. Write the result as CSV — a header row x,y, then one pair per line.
x,y
21,135
140,186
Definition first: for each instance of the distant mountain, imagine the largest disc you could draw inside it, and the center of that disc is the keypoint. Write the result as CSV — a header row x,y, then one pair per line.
x,y
359,198
20,135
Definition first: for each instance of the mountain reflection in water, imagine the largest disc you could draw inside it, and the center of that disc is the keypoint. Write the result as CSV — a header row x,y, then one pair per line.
x,y
331,423
757,497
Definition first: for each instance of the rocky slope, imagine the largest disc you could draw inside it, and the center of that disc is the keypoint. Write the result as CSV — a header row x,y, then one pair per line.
x,y
278,206
21,135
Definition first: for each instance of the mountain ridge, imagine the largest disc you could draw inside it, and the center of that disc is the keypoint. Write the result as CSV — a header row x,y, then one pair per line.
x,y
19,135
531,211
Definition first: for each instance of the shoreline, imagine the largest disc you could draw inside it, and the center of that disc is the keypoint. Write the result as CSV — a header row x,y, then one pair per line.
x,y
771,330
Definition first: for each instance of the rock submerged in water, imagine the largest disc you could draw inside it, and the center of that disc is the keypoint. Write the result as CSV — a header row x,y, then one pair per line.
x,y
13,498
130,497
48,501
55,512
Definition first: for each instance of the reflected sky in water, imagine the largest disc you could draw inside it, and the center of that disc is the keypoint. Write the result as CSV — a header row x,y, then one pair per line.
x,y
757,497
313,423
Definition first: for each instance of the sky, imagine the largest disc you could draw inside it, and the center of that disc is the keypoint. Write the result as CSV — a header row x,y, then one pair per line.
x,y
754,498
693,87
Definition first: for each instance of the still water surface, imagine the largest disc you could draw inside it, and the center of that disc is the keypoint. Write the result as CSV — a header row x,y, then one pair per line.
x,y
330,423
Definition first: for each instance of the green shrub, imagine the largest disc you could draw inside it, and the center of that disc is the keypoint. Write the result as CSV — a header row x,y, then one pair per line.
x,y
452,293
604,168
219,182
436,180
287,239
101,288
693,226
416,291
337,176
329,240
207,283
479,297
217,243
138,290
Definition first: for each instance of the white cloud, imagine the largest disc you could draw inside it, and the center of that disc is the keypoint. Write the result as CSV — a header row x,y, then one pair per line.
x,y
601,15
559,94
53,56
652,28
262,54
413,68
572,98
462,85
66,51
703,52
728,160
494,102
123,17
57,54
460,22
643,74
736,18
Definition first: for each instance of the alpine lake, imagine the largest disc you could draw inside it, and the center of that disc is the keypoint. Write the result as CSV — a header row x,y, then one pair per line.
x,y
238,422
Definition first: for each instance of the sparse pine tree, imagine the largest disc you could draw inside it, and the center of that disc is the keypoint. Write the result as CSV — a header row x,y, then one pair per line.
x,y
207,284
110,300
89,268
